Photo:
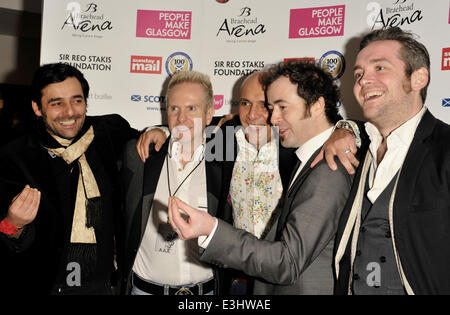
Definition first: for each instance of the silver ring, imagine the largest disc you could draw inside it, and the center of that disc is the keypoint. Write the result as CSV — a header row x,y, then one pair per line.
x,y
347,151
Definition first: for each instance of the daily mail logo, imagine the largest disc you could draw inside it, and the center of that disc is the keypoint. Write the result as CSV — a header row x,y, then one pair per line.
x,y
145,64
446,59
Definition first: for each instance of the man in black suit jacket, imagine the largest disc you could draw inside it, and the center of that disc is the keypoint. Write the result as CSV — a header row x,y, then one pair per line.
x,y
155,258
58,233
394,233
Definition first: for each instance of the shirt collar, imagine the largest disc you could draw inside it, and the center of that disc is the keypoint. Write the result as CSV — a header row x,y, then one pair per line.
x,y
305,151
243,142
404,133
174,151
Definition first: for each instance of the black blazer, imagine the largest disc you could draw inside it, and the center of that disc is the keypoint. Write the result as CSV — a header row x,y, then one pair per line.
x,y
421,212
141,180
36,262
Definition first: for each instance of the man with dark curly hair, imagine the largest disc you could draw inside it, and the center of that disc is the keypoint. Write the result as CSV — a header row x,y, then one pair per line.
x,y
295,257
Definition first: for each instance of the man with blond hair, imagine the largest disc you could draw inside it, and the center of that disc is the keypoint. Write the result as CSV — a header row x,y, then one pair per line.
x,y
156,261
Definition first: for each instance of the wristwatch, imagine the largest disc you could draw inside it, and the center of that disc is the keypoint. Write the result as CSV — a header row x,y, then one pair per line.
x,y
352,127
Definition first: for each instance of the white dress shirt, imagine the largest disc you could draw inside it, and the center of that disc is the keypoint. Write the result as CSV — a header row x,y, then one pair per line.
x,y
306,150
398,143
174,262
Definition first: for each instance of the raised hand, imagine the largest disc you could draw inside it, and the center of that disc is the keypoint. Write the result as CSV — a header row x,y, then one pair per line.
x,y
24,207
198,222
156,136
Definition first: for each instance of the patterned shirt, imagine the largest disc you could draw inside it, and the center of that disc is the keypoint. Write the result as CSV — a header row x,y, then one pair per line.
x,y
255,187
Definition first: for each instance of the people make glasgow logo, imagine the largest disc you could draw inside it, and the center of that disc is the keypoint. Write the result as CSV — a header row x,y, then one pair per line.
x,y
85,20
243,25
317,22
400,13
164,24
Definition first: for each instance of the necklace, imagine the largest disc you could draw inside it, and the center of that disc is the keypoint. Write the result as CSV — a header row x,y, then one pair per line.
x,y
182,182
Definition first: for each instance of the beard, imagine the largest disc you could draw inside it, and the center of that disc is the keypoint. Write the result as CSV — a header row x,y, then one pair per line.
x,y
55,131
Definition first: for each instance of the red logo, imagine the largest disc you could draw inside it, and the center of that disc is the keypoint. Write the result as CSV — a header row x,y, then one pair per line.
x,y
446,58
304,59
145,64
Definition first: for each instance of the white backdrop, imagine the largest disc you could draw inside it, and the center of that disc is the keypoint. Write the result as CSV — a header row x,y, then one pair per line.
x,y
128,49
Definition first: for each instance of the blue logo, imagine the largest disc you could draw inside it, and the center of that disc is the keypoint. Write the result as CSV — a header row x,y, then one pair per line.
x,y
178,61
148,98
446,102
136,98
333,62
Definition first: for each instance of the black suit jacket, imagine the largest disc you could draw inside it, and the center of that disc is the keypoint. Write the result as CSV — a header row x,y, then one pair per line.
x,y
141,180
36,262
421,212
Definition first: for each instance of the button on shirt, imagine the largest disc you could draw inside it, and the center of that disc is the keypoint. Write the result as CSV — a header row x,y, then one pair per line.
x,y
255,187
174,262
398,143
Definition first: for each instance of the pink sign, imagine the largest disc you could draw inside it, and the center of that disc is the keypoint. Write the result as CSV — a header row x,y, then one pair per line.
x,y
164,24
218,101
317,22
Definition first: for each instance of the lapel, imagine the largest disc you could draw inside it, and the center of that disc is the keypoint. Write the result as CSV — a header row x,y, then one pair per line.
x,y
287,161
292,192
41,175
411,166
306,170
214,177
213,185
152,170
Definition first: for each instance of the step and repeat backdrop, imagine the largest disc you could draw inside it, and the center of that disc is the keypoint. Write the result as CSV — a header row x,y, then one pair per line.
x,y
129,49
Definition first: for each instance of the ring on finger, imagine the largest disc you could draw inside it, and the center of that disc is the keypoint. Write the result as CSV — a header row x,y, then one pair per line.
x,y
347,151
